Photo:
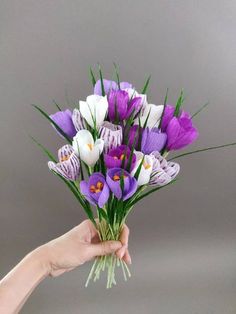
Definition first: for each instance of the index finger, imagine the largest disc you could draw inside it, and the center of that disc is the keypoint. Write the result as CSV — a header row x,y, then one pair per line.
x,y
124,237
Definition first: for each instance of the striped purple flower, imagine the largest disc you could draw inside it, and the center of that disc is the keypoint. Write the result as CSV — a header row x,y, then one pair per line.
x,y
78,120
112,135
163,171
68,166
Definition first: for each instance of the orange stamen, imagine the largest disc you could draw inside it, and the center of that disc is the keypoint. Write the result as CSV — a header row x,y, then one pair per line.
x,y
90,146
146,165
122,157
65,158
99,185
116,177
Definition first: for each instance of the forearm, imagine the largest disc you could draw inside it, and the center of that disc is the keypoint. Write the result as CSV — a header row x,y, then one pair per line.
x,y
17,286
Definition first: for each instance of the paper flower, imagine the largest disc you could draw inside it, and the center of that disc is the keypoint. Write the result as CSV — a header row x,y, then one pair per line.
x,y
111,134
88,150
152,140
120,107
94,110
118,156
108,86
64,120
146,168
163,171
96,190
68,166
152,114
180,132
113,178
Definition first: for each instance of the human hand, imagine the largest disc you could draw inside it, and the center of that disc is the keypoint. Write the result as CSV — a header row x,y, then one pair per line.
x,y
82,244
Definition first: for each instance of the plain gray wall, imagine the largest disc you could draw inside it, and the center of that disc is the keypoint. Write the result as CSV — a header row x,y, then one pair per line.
x,y
183,238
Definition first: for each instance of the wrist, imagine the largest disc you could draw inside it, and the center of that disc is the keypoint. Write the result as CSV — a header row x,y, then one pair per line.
x,y
41,258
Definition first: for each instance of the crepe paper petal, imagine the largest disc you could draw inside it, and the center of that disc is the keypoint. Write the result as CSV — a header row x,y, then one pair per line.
x,y
111,134
78,120
94,110
119,157
68,166
146,169
85,147
151,115
152,140
64,120
117,105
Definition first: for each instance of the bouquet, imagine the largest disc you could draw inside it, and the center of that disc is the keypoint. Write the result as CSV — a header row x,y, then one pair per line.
x,y
116,155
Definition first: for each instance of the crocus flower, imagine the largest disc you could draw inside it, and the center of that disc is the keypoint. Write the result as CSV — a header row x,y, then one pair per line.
x,y
68,166
113,178
111,134
64,120
163,171
167,116
152,114
94,110
78,120
180,132
134,136
116,157
96,190
146,168
152,140
108,86
120,107
88,150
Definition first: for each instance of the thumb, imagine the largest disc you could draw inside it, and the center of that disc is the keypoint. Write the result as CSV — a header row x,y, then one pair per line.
x,y
104,248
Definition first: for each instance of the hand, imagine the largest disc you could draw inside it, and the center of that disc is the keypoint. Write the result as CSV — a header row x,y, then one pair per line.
x,y
81,244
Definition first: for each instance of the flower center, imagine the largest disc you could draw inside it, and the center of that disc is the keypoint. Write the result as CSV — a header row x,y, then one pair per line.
x,y
146,165
122,157
64,158
90,146
117,177
96,188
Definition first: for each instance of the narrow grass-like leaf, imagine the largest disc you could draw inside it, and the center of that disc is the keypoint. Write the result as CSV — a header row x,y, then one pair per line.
x,y
56,104
164,106
179,103
137,173
200,109
145,87
117,74
101,79
53,123
92,76
46,151
150,192
203,150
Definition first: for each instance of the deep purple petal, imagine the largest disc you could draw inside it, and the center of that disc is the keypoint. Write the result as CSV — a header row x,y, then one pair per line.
x,y
167,116
134,106
186,139
64,120
114,185
117,104
172,131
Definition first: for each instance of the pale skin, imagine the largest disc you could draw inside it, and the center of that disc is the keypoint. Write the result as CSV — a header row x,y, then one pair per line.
x,y
74,248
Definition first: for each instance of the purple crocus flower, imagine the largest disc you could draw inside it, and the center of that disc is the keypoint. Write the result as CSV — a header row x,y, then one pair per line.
x,y
180,132
96,190
120,107
68,166
108,86
152,140
64,120
167,116
135,133
117,156
113,180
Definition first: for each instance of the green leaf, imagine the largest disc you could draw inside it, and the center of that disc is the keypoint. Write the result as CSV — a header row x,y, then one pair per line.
x,y
56,104
199,110
179,103
164,105
137,173
92,76
203,150
150,192
117,74
53,123
101,79
146,85
46,151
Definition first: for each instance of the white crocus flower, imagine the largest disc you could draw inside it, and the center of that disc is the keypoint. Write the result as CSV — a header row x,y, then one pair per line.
x,y
146,169
94,110
88,150
154,112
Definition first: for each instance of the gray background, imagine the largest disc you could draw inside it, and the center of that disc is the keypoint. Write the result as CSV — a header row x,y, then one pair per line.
x,y
183,238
